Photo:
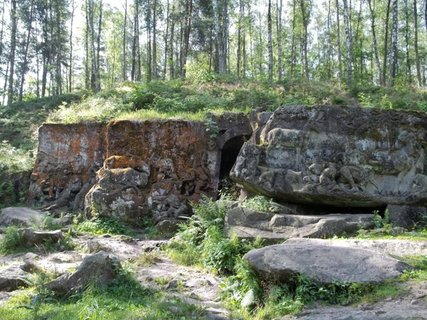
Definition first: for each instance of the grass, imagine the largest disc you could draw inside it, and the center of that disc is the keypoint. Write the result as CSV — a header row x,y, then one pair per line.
x,y
125,298
103,225
13,241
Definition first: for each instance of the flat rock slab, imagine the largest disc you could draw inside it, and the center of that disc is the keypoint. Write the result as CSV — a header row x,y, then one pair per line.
x,y
393,247
249,224
323,262
20,216
12,278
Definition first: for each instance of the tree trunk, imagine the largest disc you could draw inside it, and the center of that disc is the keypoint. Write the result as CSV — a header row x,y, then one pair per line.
x,y
339,43
279,7
305,16
348,44
70,67
239,38
385,58
27,46
154,56
87,53
188,14
270,43
124,69
98,49
394,30
13,20
292,57
375,44
165,65
93,73
417,54
135,70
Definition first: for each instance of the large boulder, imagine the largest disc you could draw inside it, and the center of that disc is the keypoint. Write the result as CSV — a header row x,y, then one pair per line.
x,y
337,156
98,268
12,278
119,191
323,262
250,224
20,216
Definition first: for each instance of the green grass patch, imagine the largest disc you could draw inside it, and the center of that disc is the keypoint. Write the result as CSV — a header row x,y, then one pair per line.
x,y
125,298
103,225
14,241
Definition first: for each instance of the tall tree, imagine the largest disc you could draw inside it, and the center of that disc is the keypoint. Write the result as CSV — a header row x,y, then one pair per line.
x,y
270,42
339,42
417,54
71,62
385,52
13,19
394,48
348,44
124,58
24,66
279,8
374,39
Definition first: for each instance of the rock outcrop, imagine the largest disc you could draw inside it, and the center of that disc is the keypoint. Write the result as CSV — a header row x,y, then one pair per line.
x,y
119,190
132,169
248,224
323,262
67,160
13,278
98,268
336,156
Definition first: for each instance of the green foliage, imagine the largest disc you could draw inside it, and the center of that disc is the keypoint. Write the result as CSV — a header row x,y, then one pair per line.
x,y
260,203
14,241
102,225
203,241
125,298
419,271
381,221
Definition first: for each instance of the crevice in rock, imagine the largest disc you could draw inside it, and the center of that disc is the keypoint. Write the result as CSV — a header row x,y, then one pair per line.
x,y
229,154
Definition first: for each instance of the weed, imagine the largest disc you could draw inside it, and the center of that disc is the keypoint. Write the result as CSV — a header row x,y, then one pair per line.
x,y
148,259
15,241
261,203
103,225
124,298
12,241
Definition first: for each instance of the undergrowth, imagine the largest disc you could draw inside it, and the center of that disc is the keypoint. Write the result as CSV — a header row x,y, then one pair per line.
x,y
124,298
14,241
203,240
103,225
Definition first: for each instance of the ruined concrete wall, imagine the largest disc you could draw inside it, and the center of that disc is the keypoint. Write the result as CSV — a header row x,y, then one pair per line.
x,y
183,159
67,160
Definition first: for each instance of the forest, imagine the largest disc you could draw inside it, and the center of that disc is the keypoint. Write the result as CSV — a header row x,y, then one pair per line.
x,y
52,47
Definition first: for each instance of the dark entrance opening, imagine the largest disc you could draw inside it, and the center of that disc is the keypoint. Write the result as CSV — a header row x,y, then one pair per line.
x,y
229,154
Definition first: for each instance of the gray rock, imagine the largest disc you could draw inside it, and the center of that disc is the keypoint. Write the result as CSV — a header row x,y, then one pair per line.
x,y
32,238
248,300
97,268
20,216
246,223
394,247
168,226
12,278
118,192
323,263
336,156
407,216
